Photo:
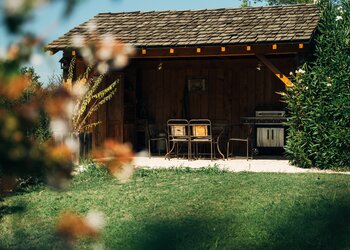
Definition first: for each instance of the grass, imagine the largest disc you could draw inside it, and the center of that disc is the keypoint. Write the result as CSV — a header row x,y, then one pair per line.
x,y
188,209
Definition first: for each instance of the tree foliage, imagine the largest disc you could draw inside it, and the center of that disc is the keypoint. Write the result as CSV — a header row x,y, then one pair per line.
x,y
319,101
247,3
25,155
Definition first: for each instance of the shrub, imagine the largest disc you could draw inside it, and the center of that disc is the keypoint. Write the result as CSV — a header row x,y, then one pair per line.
x,y
318,102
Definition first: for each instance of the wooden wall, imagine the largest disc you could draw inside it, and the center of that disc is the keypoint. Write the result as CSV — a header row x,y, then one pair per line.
x,y
234,88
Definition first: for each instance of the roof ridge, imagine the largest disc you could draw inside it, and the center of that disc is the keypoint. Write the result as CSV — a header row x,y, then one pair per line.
x,y
214,9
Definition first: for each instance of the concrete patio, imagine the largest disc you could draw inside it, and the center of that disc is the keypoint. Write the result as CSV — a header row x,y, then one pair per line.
x,y
234,165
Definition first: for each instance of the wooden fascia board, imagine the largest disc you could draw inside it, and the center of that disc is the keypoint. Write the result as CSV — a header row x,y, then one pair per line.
x,y
274,69
230,50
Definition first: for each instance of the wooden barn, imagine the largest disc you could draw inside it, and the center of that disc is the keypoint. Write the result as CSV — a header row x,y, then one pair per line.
x,y
218,64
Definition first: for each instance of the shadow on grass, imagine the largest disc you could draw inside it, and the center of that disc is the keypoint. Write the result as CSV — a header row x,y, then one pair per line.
x,y
6,210
325,226
185,233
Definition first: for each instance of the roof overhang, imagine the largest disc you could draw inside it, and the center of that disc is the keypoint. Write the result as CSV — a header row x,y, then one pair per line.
x,y
208,51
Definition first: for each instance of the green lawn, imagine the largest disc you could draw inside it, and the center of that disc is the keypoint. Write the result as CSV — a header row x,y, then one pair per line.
x,y
186,209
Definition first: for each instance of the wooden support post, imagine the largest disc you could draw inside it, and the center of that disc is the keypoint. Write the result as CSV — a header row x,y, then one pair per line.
x,y
276,71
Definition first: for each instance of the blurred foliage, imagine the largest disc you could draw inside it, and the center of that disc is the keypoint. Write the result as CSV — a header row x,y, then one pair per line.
x,y
27,109
319,101
23,116
17,12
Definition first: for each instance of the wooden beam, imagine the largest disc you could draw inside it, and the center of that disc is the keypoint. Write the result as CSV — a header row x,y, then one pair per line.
x,y
227,50
275,70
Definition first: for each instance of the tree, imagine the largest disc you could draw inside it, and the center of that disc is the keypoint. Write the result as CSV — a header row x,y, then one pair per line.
x,y
286,2
319,100
247,3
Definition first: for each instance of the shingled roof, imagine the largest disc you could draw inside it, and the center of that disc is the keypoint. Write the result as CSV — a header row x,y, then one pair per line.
x,y
293,23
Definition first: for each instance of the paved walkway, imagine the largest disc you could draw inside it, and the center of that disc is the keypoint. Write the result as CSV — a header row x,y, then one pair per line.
x,y
235,165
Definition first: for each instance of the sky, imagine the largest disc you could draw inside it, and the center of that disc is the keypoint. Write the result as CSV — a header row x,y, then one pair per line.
x,y
49,23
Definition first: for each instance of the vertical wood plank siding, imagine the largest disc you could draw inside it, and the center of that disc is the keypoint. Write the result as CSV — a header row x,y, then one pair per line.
x,y
234,88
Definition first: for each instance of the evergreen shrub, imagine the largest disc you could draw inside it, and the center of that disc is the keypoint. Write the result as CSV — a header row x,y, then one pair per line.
x,y
318,101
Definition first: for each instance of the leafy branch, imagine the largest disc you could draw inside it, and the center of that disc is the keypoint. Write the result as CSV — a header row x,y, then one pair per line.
x,y
87,104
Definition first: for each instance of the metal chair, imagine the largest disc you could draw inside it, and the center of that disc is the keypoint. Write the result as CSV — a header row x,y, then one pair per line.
x,y
152,137
220,136
178,132
246,140
201,132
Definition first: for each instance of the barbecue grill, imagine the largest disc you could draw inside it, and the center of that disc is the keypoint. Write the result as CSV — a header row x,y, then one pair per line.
x,y
267,131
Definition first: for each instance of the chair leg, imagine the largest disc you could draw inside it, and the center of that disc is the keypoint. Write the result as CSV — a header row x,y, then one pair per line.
x,y
228,150
166,147
149,149
211,151
247,149
171,150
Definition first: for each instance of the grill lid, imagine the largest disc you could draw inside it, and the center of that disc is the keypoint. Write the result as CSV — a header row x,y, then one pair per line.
x,y
270,113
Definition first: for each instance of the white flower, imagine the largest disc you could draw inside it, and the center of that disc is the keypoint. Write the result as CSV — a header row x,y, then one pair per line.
x,y
340,8
291,73
14,6
78,90
124,173
91,26
36,59
72,144
316,1
306,87
105,53
120,61
81,169
70,107
59,127
78,41
102,67
129,49
107,40
87,54
95,219
338,18
300,71
329,84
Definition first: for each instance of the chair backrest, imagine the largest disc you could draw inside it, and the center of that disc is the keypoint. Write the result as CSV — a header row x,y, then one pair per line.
x,y
177,129
200,128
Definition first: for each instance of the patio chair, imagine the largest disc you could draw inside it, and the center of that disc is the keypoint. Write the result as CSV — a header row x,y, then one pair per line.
x,y
153,136
201,132
231,140
178,132
220,130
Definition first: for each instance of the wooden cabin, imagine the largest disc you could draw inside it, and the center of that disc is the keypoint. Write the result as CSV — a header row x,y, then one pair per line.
x,y
220,64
